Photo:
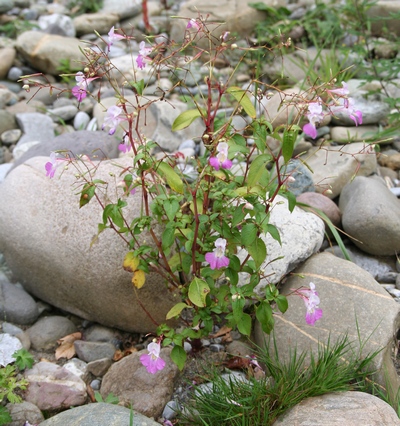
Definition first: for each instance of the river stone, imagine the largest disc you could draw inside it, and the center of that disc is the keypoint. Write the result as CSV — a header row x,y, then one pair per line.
x,y
16,305
334,167
391,161
24,412
339,409
323,203
52,387
148,393
98,414
123,8
301,234
156,122
58,24
388,23
371,215
7,55
87,23
7,121
42,51
341,134
353,304
68,271
96,145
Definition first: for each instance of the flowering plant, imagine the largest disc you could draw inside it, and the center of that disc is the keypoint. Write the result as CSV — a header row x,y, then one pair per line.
x,y
214,209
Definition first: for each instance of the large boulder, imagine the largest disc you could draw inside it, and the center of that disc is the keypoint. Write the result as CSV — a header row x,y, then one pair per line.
x,y
50,245
353,304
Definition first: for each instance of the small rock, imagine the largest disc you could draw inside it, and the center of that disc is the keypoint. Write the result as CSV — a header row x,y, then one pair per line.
x,y
303,177
62,114
92,351
170,410
78,367
216,347
7,55
8,346
341,134
24,412
323,203
81,120
95,384
239,348
58,24
391,161
89,22
99,367
45,332
10,137
35,126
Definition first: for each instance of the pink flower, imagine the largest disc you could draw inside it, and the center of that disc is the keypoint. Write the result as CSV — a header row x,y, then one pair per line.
x,y
315,115
347,105
344,91
112,119
126,146
112,37
51,166
193,24
221,160
80,90
143,52
311,300
152,360
217,258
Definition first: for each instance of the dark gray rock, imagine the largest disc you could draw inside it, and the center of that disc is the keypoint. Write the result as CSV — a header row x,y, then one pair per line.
x,y
92,351
302,175
16,305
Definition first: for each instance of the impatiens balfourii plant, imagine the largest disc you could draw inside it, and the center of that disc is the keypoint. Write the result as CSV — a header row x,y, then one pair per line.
x,y
212,215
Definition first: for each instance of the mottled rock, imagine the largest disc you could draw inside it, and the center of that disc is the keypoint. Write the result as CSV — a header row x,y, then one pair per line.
x,y
24,411
8,345
45,332
334,167
69,271
52,387
303,179
148,393
338,409
99,414
353,305
301,234
371,215
57,24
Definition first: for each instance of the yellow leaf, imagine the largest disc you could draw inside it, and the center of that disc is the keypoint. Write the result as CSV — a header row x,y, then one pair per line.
x,y
138,279
131,262
67,348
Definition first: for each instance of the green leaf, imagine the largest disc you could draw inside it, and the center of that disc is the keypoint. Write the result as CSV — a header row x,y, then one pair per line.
x,y
138,86
23,359
178,356
244,325
176,310
171,207
258,251
273,231
289,138
173,179
257,170
186,119
241,96
198,290
282,303
291,200
248,234
167,237
265,317
87,194
113,212
5,417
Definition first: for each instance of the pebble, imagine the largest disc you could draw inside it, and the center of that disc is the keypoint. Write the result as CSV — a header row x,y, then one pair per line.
x,y
10,137
92,351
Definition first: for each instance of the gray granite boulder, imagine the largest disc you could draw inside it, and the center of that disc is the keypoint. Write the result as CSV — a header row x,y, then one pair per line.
x,y
340,409
353,304
50,245
371,215
98,414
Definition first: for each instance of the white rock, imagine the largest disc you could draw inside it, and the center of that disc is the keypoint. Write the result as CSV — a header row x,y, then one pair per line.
x,y
8,346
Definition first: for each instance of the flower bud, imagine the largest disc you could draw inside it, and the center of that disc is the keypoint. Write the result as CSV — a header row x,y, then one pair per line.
x,y
234,46
26,87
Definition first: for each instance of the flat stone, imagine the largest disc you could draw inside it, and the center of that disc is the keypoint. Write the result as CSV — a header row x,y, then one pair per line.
x,y
339,409
101,22
391,161
353,305
98,414
323,203
92,351
24,411
123,8
35,127
341,134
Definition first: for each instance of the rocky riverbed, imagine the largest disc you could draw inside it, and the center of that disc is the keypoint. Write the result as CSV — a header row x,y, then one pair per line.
x,y
54,285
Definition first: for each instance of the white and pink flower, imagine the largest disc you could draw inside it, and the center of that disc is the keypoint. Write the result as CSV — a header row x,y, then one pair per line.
x,y
221,159
312,301
217,258
152,360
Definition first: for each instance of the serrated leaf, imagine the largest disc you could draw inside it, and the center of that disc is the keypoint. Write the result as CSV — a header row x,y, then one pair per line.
x,y
258,251
257,169
139,278
176,310
172,178
265,317
198,290
178,356
241,96
131,262
185,119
